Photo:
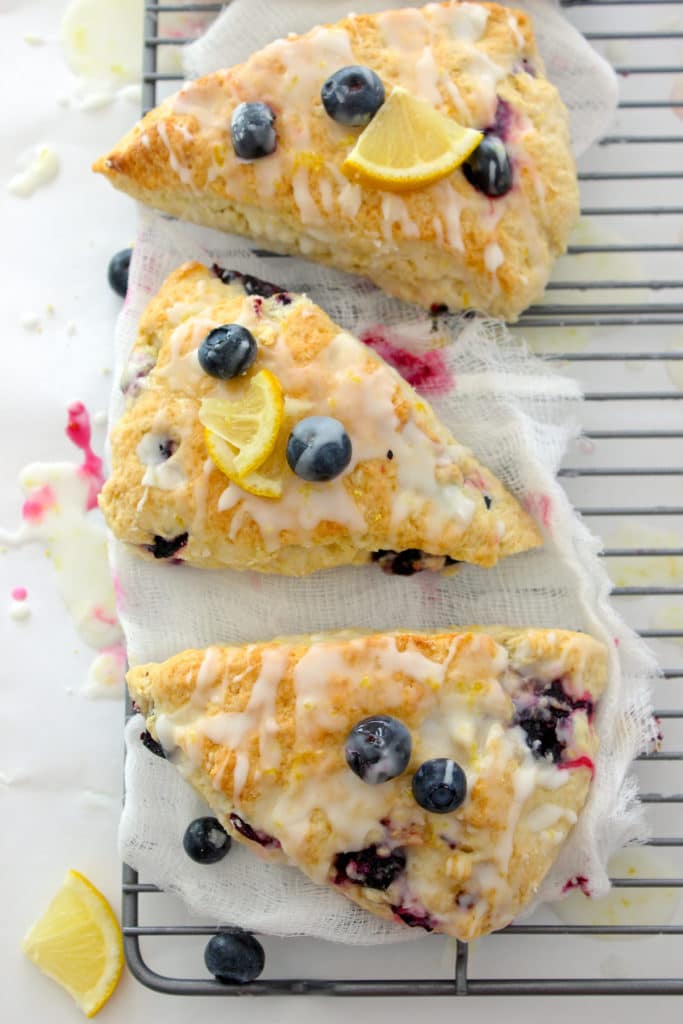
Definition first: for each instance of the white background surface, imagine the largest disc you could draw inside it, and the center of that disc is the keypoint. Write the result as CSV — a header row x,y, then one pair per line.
x,y
60,754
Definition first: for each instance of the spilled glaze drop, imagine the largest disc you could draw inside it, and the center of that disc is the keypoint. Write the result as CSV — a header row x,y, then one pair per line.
x,y
58,512
37,167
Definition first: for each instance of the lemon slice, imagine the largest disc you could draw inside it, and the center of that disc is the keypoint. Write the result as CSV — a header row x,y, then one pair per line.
x,y
409,144
266,481
247,426
78,943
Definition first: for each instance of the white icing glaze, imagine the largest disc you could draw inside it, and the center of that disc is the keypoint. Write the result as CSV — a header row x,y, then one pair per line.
x,y
547,815
38,167
464,21
240,774
303,197
350,196
404,30
413,33
166,474
449,204
234,729
326,194
427,77
267,173
177,166
395,211
523,783
513,25
307,62
493,257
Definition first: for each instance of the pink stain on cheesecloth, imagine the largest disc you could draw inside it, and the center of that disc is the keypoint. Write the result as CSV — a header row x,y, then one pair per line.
x,y
427,372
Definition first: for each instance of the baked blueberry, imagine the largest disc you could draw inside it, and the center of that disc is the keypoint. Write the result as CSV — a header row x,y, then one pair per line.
x,y
318,449
227,351
542,713
353,95
256,835
378,749
117,271
155,449
252,285
152,745
488,169
206,841
415,918
234,958
439,785
166,547
253,134
373,868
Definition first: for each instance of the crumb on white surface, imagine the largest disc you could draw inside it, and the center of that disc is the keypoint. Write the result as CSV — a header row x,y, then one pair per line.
x,y
99,418
71,327
33,39
38,166
132,93
32,322
106,370
20,611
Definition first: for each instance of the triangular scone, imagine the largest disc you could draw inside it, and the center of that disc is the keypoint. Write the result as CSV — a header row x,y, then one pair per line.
x,y
409,492
443,244
260,731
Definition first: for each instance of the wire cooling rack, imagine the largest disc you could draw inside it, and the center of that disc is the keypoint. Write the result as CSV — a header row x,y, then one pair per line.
x,y
613,317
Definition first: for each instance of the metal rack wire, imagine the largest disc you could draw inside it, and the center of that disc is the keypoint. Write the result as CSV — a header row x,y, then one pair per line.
x,y
620,332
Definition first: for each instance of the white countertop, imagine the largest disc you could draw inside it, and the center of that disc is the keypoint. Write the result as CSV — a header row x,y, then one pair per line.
x,y
60,761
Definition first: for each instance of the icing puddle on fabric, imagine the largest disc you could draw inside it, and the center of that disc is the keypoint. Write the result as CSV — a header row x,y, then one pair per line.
x,y
59,512
625,906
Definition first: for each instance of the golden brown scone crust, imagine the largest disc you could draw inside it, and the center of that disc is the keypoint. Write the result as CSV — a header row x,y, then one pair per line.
x,y
444,244
409,485
260,731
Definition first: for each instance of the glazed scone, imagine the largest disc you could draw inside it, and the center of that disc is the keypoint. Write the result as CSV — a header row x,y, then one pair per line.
x,y
261,732
411,496
445,244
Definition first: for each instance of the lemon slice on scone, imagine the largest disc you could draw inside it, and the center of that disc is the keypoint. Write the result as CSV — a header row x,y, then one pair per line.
x,y
241,433
78,943
409,144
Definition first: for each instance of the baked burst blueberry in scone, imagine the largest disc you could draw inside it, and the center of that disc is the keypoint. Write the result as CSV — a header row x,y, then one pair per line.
x,y
422,148
432,778
260,435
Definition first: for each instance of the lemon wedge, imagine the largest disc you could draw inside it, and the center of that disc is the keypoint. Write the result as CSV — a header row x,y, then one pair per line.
x,y
409,144
78,943
266,480
241,433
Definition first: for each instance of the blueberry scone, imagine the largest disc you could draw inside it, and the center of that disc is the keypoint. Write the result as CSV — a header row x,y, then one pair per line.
x,y
422,148
431,777
260,435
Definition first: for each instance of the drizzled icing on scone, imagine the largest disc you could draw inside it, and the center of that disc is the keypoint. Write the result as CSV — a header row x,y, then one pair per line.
x,y
406,495
261,731
460,61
